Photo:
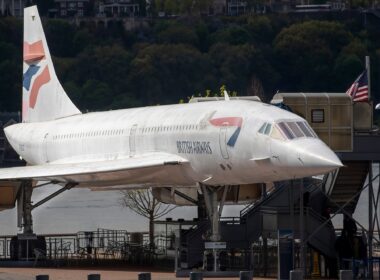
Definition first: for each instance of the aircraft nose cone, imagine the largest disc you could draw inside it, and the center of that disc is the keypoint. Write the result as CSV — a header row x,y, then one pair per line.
x,y
320,160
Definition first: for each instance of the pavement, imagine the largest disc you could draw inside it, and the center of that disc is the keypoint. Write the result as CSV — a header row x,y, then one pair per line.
x,y
81,274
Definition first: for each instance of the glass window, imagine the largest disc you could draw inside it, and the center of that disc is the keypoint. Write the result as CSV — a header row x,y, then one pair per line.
x,y
284,128
304,129
295,129
311,130
318,116
262,128
276,134
268,129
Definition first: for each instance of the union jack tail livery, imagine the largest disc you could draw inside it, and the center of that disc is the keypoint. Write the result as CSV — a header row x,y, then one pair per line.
x,y
43,97
359,89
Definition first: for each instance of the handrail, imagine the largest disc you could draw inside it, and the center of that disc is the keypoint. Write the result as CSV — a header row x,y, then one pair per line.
x,y
248,208
271,196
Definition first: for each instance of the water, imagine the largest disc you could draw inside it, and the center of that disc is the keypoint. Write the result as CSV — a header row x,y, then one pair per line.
x,y
81,209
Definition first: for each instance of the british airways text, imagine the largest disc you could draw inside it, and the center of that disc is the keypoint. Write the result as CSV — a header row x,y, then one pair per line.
x,y
194,147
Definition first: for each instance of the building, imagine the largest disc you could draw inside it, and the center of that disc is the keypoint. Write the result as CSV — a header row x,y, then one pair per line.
x,y
12,7
119,8
236,7
218,7
70,8
281,6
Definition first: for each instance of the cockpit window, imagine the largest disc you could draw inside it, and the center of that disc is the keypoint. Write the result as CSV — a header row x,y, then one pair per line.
x,y
265,128
305,129
268,129
285,130
262,128
296,130
276,133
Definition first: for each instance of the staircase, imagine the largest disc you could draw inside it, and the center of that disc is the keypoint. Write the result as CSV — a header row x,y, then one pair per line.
x,y
251,215
192,244
324,240
267,216
342,185
274,212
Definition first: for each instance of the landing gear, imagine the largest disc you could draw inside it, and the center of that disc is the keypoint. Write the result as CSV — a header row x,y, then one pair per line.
x,y
24,244
25,207
214,211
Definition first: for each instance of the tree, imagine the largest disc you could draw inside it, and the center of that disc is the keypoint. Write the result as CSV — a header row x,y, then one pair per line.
x,y
143,203
101,73
233,65
163,74
260,28
305,54
60,35
178,34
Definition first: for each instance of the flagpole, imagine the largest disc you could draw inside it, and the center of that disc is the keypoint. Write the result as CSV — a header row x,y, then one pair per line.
x,y
368,67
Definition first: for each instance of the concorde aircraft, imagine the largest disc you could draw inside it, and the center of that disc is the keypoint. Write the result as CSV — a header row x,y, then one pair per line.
x,y
220,143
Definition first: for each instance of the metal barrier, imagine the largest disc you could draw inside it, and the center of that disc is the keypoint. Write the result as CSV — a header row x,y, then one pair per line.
x,y
42,277
246,275
4,247
144,276
196,275
101,244
345,275
265,257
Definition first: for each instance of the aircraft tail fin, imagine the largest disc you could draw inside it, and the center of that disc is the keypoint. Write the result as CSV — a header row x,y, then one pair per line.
x,y
43,97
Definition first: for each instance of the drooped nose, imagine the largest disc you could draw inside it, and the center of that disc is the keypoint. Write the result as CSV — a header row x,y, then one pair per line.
x,y
318,159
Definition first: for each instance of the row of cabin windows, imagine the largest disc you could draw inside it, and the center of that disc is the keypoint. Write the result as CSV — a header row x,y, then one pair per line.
x,y
168,128
124,131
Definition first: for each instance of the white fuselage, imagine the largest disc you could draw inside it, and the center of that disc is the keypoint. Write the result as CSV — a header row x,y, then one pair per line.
x,y
195,131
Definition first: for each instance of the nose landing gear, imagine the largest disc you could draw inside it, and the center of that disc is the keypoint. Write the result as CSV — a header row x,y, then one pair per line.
x,y
214,211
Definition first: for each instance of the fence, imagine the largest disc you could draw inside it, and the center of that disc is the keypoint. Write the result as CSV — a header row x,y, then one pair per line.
x,y
102,244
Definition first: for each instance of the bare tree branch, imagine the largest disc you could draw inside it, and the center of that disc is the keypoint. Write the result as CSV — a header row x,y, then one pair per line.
x,y
144,204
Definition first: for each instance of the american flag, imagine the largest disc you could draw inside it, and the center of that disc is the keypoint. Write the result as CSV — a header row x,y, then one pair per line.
x,y
359,89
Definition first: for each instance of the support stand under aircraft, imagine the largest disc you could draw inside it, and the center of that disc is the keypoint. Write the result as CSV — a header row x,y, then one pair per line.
x,y
25,243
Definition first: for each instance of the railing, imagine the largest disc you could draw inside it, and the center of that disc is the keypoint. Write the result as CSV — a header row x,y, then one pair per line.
x,y
269,195
4,247
91,245
329,181
264,258
230,220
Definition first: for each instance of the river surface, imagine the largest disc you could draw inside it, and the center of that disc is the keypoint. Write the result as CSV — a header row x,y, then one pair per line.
x,y
84,210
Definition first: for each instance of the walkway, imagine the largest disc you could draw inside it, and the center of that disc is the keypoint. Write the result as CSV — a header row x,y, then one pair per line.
x,y
81,274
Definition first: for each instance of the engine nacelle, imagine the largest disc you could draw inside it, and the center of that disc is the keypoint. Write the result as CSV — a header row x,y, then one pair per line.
x,y
241,194
8,194
168,196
